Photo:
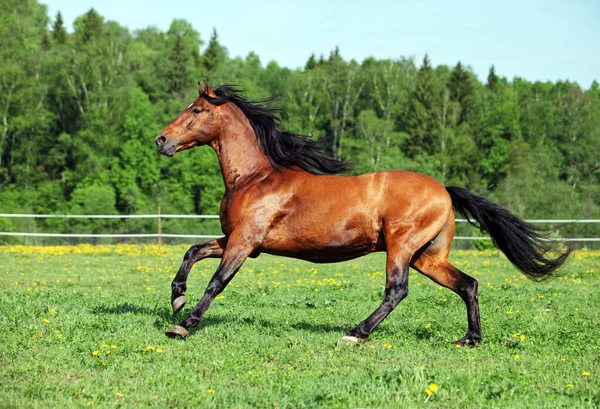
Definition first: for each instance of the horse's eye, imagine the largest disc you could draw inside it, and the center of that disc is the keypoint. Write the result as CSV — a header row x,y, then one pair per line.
x,y
196,111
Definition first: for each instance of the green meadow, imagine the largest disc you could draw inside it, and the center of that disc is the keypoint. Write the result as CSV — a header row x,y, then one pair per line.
x,y
83,326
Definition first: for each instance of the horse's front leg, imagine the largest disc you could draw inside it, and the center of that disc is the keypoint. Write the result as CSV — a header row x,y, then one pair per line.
x,y
212,249
233,257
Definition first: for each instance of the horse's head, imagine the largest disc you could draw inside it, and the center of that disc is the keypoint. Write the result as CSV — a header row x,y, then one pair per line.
x,y
195,125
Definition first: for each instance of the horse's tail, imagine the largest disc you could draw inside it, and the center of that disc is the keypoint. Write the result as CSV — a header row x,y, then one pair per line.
x,y
525,245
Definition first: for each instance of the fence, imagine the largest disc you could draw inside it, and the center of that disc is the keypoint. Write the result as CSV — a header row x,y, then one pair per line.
x,y
159,234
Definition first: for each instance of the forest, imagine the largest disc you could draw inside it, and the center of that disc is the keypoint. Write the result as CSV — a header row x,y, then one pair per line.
x,y
80,111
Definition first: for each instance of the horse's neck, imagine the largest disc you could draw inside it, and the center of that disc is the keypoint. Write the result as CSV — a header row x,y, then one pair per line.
x,y
239,153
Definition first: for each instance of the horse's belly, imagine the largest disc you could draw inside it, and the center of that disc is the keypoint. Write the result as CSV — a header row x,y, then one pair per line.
x,y
322,245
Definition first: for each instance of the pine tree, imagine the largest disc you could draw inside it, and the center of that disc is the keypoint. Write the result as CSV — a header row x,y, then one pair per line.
x,y
335,55
92,26
492,79
214,54
58,30
421,124
311,63
177,74
461,91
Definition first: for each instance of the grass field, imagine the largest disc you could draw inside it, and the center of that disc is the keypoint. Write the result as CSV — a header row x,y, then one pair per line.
x,y
83,326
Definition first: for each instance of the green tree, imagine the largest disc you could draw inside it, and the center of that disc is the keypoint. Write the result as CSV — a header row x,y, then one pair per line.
x,y
461,91
215,54
59,33
492,79
311,63
421,122
89,27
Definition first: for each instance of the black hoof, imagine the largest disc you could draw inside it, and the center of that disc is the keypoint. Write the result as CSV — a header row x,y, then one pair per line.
x,y
177,332
178,303
467,340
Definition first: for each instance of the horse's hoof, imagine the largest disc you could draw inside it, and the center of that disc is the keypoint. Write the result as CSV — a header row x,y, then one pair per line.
x,y
178,303
177,332
467,341
348,339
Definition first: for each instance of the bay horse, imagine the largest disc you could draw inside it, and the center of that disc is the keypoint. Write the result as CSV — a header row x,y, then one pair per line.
x,y
283,197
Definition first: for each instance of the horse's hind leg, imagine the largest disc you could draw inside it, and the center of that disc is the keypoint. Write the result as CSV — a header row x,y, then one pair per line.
x,y
434,264
212,249
396,289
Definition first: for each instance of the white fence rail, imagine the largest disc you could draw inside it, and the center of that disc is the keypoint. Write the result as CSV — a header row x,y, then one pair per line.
x,y
160,235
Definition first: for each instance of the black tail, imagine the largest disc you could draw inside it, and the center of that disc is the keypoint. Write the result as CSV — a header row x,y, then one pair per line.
x,y
523,244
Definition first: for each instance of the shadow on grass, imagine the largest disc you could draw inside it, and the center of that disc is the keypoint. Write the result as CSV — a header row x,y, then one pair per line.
x,y
128,308
165,318
316,327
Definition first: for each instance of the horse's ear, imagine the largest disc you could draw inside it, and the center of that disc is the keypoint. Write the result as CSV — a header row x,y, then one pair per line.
x,y
200,89
209,91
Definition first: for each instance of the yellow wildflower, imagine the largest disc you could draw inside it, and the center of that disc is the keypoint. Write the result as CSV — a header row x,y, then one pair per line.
x,y
119,395
113,347
433,388
211,391
569,385
96,353
586,374
428,325
159,350
517,357
522,337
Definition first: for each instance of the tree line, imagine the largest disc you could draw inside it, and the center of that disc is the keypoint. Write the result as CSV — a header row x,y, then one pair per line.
x,y
79,112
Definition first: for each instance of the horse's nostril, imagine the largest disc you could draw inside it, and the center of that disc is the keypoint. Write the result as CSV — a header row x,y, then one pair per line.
x,y
161,140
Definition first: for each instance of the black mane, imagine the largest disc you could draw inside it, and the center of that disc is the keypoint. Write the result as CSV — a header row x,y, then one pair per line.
x,y
281,148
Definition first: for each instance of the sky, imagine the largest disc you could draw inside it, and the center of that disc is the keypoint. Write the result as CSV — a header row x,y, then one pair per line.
x,y
532,39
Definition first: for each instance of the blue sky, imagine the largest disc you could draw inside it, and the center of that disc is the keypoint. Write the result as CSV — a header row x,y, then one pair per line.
x,y
536,40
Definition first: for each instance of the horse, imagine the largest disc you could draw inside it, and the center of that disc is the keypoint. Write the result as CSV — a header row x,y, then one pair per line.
x,y
283,196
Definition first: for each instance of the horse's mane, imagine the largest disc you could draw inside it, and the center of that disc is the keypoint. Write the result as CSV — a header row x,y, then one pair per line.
x,y
281,148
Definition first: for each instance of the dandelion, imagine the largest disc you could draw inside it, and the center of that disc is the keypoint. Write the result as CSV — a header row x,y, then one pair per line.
x,y
569,385
211,391
149,348
388,346
585,374
433,388
89,403
51,311
119,395
104,346
96,353
159,350
113,347
522,337
108,352
428,325
517,357
46,320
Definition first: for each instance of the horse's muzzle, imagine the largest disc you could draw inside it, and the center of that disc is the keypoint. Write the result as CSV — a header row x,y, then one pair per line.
x,y
163,146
